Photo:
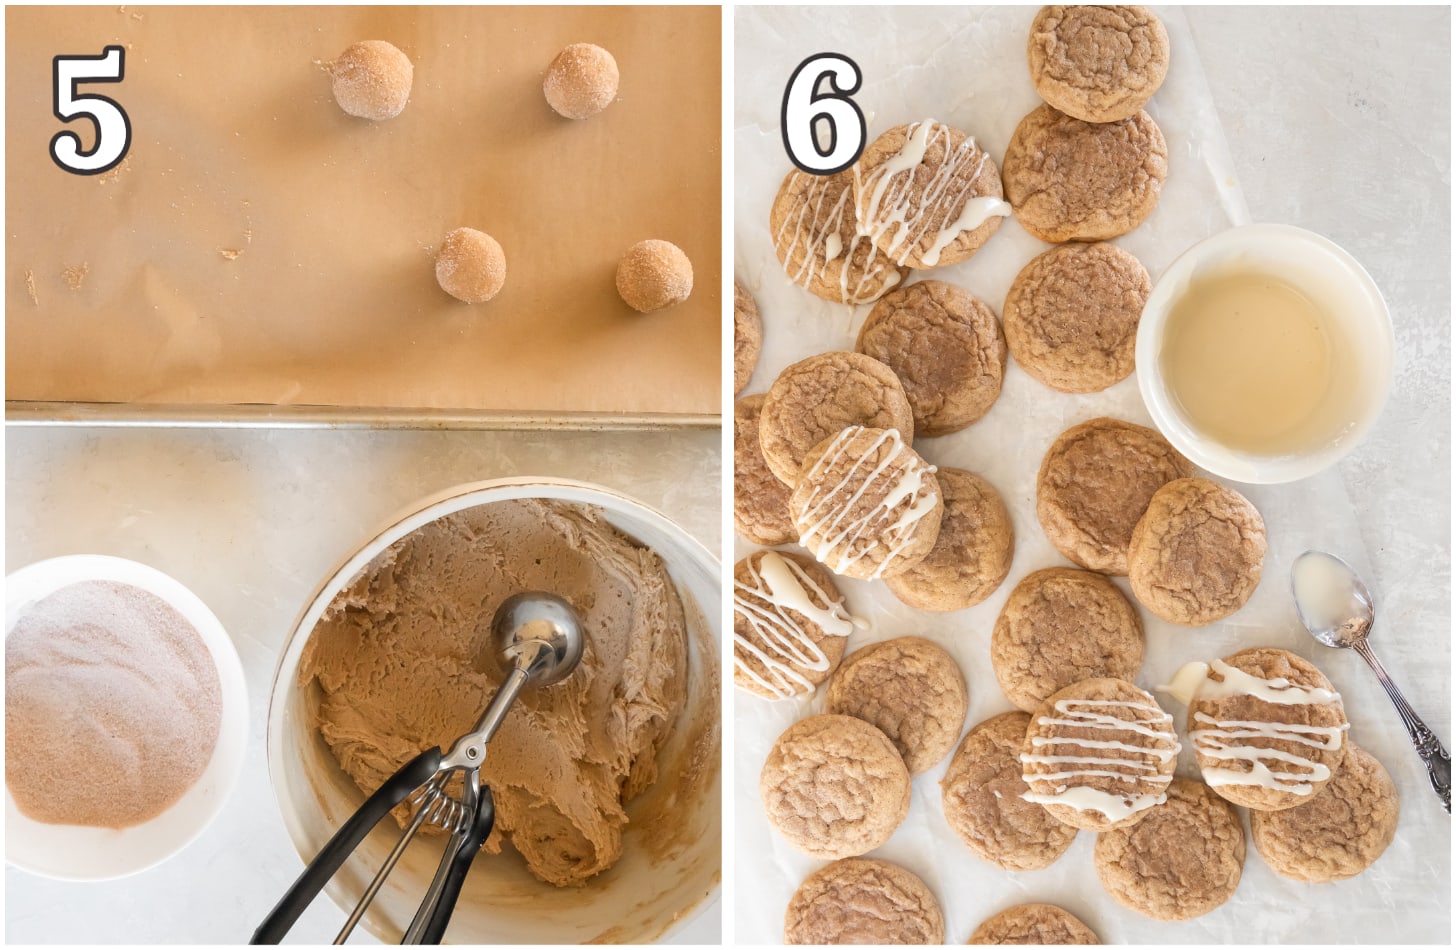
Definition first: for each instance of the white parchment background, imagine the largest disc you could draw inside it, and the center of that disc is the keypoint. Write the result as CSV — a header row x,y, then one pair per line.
x,y
967,68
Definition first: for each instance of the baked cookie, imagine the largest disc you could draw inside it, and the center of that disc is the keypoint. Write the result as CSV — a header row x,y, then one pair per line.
x,y
863,900
972,554
747,337
1071,316
1043,924
817,240
790,625
908,688
947,348
1061,626
927,194
1267,727
1340,831
834,787
1069,180
760,501
1097,64
818,397
1181,861
866,505
981,796
1197,553
1095,483
1099,754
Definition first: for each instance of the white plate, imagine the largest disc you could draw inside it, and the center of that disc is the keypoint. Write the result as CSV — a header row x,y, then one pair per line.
x,y
78,853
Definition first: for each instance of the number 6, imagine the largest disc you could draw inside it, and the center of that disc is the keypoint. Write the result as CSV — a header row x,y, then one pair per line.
x,y
803,107
113,128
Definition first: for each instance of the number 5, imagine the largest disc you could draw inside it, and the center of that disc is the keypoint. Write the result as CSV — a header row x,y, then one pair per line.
x,y
113,128
804,107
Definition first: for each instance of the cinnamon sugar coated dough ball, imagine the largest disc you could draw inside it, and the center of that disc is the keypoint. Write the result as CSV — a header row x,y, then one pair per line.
x,y
653,275
581,81
372,80
470,265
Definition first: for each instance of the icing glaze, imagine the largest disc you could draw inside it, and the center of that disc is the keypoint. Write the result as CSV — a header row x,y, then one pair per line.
x,y
818,224
780,644
1106,715
898,221
827,525
1225,740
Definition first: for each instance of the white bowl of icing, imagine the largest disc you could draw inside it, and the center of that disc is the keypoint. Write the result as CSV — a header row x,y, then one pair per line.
x,y
1343,293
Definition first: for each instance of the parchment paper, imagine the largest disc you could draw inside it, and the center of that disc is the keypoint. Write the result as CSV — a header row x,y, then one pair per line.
x,y
967,67
258,245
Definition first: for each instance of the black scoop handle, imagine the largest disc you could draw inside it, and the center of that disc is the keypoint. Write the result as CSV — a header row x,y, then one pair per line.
x,y
475,836
333,854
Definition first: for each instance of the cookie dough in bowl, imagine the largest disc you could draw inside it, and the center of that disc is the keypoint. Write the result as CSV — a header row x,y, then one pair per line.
x,y
606,784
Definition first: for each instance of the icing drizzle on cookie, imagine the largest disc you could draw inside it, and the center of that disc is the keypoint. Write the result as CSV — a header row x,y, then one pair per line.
x,y
828,526
898,220
817,226
1227,740
1140,767
780,644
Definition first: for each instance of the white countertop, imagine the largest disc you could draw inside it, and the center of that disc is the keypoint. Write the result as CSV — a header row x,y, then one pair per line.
x,y
1370,101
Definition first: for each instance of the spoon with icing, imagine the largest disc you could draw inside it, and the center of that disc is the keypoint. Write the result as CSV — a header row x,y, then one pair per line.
x,y
1335,607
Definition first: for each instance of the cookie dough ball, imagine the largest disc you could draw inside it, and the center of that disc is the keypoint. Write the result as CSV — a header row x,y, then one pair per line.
x,y
1069,180
581,81
790,625
1182,861
653,275
470,265
1197,554
1099,754
1060,626
981,796
863,900
1098,64
372,80
1268,728
1095,483
1071,316
945,346
908,688
971,556
1041,924
834,787
747,337
1339,832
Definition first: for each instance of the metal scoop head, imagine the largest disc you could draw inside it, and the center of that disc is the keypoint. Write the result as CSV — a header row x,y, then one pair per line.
x,y
539,634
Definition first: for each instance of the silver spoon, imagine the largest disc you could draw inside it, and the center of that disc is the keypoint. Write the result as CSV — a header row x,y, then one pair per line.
x,y
1335,607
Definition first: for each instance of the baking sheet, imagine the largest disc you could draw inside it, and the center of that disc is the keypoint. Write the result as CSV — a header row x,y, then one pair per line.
x,y
967,67
258,246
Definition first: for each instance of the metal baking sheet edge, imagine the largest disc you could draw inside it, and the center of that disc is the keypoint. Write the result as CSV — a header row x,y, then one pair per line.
x,y
258,416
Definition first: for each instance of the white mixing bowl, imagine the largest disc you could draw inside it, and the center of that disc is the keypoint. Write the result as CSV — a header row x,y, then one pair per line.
x,y
652,892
